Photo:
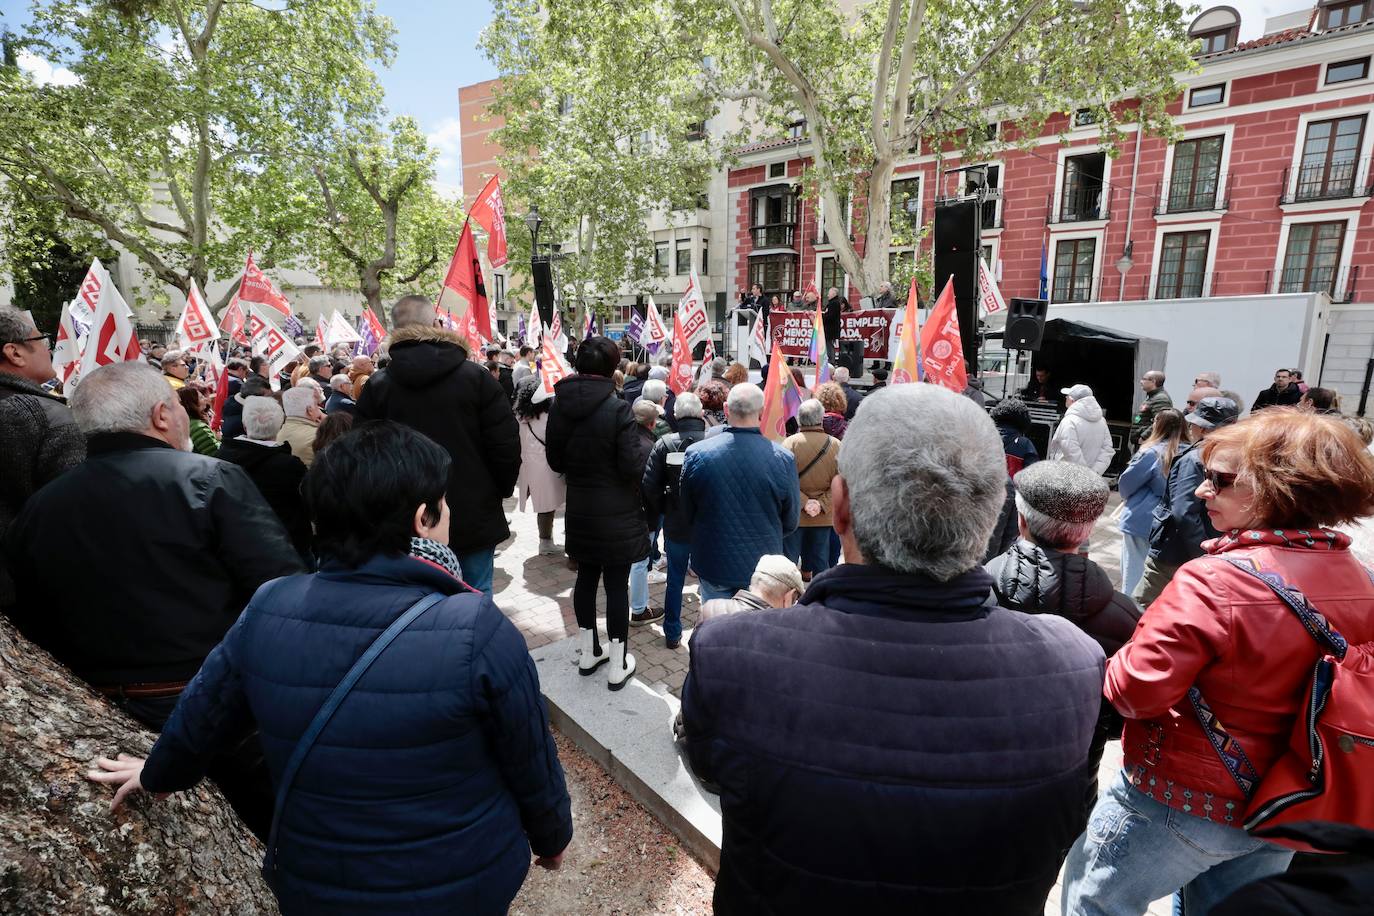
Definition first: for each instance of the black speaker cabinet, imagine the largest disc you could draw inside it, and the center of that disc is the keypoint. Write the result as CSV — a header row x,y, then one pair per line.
x,y
543,289
957,251
851,356
1025,323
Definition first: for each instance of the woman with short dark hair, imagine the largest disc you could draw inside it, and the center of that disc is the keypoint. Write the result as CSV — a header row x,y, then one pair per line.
x,y
436,775
1219,666
334,426
593,440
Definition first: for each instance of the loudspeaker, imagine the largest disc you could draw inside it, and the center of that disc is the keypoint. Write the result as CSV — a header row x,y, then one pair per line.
x,y
956,255
851,356
542,272
1025,324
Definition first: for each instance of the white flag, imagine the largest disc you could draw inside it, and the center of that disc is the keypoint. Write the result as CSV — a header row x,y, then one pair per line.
x,y
66,352
758,342
989,296
196,325
112,338
556,335
340,331
534,328
553,368
269,341
655,332
691,310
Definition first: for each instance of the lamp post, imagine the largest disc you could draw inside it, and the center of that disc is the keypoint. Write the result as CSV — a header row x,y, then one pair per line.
x,y
533,221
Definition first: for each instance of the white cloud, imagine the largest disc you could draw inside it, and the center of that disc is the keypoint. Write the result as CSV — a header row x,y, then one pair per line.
x,y
44,73
446,138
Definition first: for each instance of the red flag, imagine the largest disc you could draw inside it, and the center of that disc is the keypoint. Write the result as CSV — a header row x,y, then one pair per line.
x,y
942,350
257,288
463,287
490,212
221,395
233,321
375,323
681,378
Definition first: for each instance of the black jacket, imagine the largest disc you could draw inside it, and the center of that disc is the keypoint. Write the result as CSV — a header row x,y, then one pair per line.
x,y
506,379
633,390
659,479
853,398
1004,534
830,317
1320,885
277,474
1272,397
1181,523
594,442
431,386
231,423
892,744
171,546
338,402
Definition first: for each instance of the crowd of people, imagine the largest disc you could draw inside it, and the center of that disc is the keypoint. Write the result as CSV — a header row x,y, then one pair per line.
x,y
901,646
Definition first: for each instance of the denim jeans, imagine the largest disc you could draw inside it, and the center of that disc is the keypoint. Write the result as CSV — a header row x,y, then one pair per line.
x,y
477,568
710,592
835,548
639,586
1134,550
1137,850
679,556
809,548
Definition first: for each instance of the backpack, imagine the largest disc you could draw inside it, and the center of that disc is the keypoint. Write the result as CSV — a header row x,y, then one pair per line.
x,y
1327,773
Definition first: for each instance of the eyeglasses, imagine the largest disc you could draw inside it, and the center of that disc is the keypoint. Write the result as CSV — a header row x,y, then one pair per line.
x,y
1219,480
46,338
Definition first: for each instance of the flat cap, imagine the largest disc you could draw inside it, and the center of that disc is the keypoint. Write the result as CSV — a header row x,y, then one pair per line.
x,y
1063,491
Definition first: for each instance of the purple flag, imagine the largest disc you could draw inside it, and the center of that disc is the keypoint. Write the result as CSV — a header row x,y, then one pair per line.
x,y
293,327
636,326
520,333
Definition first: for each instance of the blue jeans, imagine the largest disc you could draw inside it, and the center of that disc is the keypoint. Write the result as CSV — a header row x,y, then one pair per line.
x,y
1137,850
809,548
477,568
711,592
836,548
639,585
1134,550
679,556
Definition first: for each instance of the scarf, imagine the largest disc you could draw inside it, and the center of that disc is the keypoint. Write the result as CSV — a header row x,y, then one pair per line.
x,y
436,554
1309,538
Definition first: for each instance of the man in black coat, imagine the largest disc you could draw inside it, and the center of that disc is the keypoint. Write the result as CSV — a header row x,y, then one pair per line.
x,y
897,743
835,304
1283,393
430,385
172,545
273,469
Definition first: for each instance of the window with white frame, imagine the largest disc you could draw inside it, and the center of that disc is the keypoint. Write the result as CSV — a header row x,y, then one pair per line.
x,y
682,265
777,170
661,259
832,274
1330,159
1203,96
1347,71
1182,264
1074,262
823,235
1312,260
1196,174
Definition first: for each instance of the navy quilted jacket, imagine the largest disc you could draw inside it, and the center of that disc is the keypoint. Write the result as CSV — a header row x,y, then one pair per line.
x,y
893,745
435,778
739,493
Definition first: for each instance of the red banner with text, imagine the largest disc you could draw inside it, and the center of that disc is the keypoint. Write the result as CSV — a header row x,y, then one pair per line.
x,y
792,330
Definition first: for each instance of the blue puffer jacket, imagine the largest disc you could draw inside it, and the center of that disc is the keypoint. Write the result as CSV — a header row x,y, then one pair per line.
x,y
1142,487
739,493
435,778
893,745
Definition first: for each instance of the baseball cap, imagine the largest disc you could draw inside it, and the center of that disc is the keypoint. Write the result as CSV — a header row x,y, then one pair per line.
x,y
1077,392
1213,412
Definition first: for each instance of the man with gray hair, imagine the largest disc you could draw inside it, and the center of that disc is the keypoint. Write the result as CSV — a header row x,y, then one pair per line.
x,y
171,545
739,495
1156,399
656,392
303,416
319,371
1208,379
273,469
777,582
852,395
897,742
38,438
341,396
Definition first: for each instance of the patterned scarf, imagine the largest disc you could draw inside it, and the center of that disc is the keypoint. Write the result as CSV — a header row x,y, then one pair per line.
x,y
1308,538
437,554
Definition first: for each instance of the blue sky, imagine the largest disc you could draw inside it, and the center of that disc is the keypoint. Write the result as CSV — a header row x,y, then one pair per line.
x,y
436,52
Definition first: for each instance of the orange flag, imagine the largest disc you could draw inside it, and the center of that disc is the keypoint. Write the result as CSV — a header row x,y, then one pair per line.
x,y
780,397
907,366
942,351
681,378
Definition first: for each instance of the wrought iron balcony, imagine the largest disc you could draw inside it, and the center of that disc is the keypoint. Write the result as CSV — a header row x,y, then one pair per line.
x,y
1078,205
774,235
1326,181
1194,196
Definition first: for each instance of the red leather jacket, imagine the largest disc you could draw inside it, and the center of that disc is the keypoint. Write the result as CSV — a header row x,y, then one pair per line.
x,y
1224,630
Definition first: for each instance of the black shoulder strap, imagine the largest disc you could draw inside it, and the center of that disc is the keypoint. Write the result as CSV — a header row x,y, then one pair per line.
x,y
819,455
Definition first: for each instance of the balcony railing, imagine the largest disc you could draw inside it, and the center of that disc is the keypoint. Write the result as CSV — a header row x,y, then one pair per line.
x,y
1080,205
1334,181
1187,284
774,235
1200,195
1339,283
1084,289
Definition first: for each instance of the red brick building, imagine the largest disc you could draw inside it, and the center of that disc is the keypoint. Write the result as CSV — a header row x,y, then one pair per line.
x,y
1266,190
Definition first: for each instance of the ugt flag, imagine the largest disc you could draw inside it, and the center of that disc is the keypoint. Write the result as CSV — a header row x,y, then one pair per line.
x,y
196,325
490,212
820,351
942,351
112,338
691,308
989,296
653,333
680,379
66,352
256,288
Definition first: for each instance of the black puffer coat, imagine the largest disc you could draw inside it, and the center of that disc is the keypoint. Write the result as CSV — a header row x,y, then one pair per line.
x,y
277,474
431,386
594,442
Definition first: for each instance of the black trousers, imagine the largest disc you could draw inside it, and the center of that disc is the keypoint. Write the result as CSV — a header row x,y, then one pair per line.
x,y
617,581
240,772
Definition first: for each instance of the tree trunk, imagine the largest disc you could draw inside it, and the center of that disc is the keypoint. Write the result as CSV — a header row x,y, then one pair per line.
x,y
62,851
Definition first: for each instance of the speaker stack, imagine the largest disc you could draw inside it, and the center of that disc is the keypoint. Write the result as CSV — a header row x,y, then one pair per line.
x,y
1025,324
957,250
542,271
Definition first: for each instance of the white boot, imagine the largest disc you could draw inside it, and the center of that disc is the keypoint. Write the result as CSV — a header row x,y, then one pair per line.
x,y
622,665
590,659
547,548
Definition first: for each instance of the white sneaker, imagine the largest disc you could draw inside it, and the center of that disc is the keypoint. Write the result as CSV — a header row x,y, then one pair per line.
x,y
662,564
656,577
622,665
589,659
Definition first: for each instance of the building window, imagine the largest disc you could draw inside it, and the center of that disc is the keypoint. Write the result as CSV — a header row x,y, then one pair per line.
x,y
1219,40
987,256
1203,96
1083,117
696,131
1328,165
777,170
989,178
683,259
498,288
705,248
905,210
1182,262
1073,270
776,273
797,129
1347,70
1196,174
773,214
1312,258
660,259
565,104
1081,197
1339,14
831,275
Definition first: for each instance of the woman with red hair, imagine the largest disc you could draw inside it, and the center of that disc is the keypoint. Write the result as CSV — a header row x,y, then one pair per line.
x,y
1275,485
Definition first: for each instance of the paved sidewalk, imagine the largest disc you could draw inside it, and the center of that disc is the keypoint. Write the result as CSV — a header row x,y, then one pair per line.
x,y
536,594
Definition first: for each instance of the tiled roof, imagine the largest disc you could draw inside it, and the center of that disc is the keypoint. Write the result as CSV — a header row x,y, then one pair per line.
x,y
1286,37
768,144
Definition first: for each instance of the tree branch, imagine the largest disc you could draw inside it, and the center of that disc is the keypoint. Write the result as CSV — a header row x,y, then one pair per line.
x,y
428,263
369,186
884,74
901,104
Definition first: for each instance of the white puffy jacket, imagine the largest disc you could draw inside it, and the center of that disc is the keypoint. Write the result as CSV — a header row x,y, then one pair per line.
x,y
1083,438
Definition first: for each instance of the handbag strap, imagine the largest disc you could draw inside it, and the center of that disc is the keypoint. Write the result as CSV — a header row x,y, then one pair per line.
x,y
1226,746
817,460
331,706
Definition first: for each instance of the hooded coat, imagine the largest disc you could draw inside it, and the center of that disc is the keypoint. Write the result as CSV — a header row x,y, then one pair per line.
x,y
594,442
278,475
1083,437
431,386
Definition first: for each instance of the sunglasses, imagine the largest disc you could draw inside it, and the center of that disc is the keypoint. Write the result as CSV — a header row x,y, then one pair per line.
x,y
1219,480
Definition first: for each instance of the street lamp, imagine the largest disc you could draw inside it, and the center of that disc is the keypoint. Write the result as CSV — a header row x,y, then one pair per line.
x,y
533,221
